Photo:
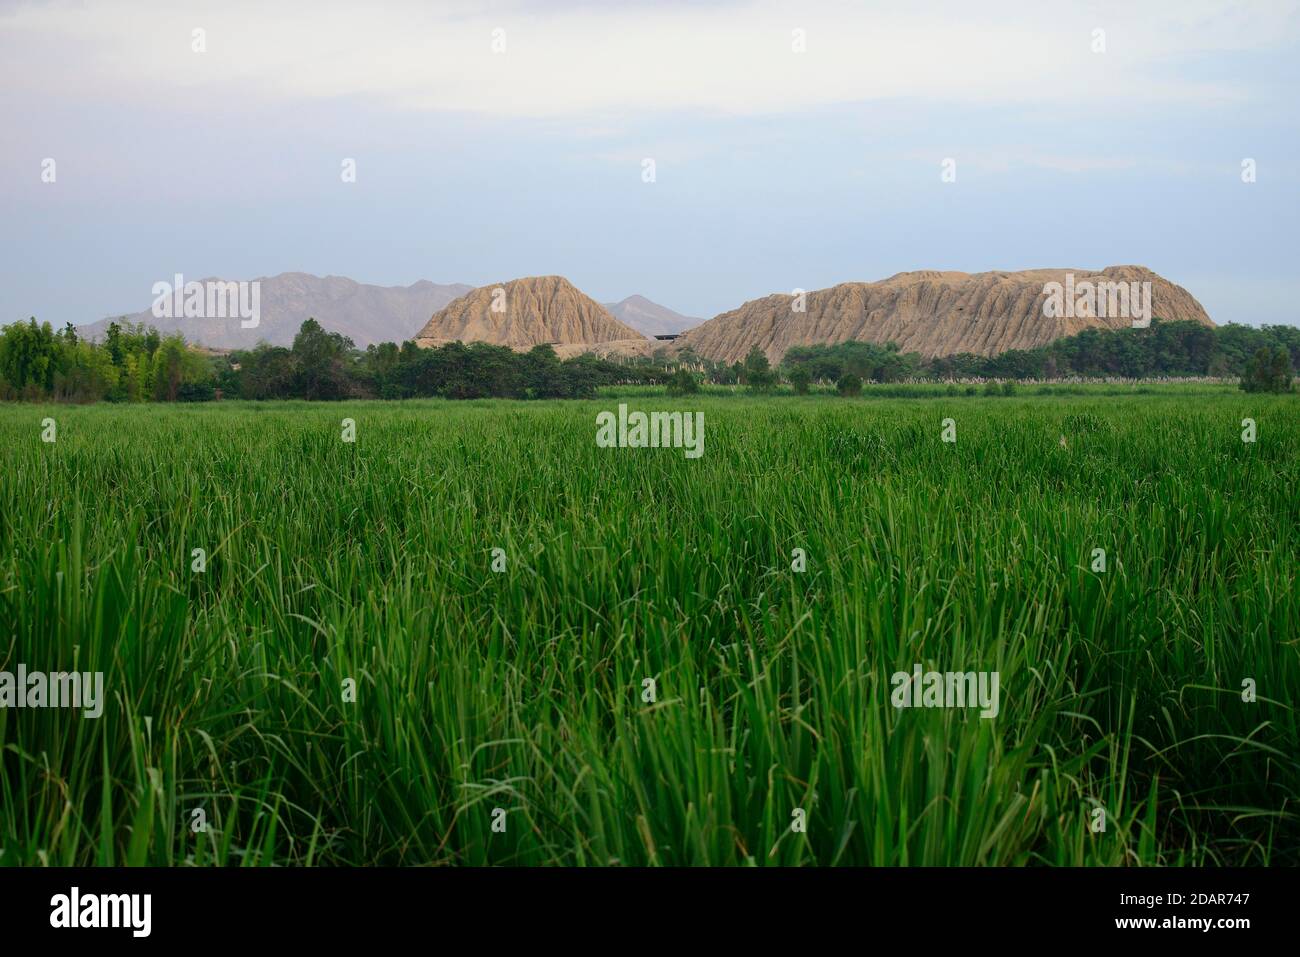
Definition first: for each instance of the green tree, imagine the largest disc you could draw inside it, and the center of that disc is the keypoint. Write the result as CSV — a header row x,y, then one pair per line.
x,y
321,362
800,378
266,372
1281,370
543,376
1268,370
682,382
113,341
758,371
849,385
171,369
29,358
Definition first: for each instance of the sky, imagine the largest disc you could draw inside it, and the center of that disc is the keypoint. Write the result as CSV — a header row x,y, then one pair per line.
x,y
794,145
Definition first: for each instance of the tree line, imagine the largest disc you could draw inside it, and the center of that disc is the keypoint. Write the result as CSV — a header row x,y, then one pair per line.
x,y
1263,358
135,363
1161,350
132,364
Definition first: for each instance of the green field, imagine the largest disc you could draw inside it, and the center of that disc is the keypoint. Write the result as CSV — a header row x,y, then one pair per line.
x,y
523,689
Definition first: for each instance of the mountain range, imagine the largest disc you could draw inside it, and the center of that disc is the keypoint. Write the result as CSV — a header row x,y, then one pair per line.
x,y
931,312
364,313
650,318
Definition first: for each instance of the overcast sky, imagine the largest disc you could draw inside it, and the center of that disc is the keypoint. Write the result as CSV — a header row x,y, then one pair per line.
x,y
497,140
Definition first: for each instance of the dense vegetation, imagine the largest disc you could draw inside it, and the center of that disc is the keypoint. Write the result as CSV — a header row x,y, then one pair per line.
x,y
1268,370
1163,350
132,364
324,365
136,364
517,680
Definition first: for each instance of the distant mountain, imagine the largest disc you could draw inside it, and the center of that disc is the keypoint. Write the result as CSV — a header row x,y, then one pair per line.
x,y
523,313
930,312
366,314
933,313
650,318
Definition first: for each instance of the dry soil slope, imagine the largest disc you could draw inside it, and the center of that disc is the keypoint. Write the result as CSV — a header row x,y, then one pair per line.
x,y
933,313
535,310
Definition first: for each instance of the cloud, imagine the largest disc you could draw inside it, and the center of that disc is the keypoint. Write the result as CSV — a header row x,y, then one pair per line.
x,y
561,60
1007,159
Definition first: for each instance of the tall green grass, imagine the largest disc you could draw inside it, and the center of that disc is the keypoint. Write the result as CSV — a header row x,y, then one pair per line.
x,y
522,690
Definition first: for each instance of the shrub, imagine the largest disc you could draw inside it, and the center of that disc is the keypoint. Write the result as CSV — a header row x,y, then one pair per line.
x,y
682,382
195,392
849,385
1267,371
